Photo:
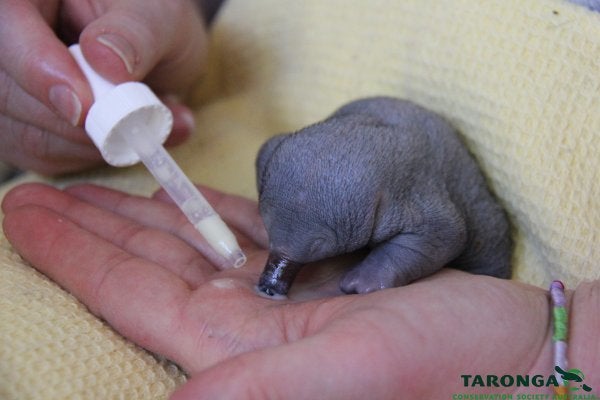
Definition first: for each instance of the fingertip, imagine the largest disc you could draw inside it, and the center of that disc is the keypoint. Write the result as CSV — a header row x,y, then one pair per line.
x,y
11,221
184,124
26,223
161,43
162,195
122,44
22,195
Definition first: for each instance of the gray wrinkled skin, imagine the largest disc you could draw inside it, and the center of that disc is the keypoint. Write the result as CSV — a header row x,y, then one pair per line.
x,y
387,175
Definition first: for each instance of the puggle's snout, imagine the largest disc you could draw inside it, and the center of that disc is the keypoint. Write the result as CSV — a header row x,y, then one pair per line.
x,y
278,275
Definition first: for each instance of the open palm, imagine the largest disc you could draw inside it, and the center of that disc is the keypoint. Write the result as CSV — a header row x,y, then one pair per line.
x,y
138,264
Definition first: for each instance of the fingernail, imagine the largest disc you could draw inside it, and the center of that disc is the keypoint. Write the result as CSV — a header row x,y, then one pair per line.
x,y
121,47
66,103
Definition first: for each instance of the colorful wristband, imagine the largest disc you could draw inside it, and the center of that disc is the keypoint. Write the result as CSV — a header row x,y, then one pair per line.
x,y
561,325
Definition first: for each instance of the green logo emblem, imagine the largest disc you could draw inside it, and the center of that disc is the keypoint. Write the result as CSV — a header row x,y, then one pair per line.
x,y
573,375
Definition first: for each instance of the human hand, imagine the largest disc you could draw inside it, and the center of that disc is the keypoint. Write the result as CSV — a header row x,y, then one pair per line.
x,y
133,262
44,97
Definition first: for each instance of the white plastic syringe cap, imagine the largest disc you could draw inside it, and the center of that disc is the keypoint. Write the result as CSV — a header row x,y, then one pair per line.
x,y
118,109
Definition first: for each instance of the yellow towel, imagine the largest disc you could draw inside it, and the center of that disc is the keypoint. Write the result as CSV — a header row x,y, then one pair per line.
x,y
520,80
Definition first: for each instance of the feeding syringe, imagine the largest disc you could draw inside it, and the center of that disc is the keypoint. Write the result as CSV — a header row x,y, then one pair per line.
x,y
128,123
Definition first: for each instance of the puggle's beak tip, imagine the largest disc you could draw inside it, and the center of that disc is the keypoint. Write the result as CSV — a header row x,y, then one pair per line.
x,y
278,275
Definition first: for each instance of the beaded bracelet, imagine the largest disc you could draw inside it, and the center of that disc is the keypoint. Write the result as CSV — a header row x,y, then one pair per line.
x,y
561,319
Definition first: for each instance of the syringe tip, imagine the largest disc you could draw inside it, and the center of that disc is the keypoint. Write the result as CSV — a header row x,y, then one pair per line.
x,y
238,259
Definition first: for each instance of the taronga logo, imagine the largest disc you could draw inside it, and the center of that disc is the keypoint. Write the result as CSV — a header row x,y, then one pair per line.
x,y
573,375
570,384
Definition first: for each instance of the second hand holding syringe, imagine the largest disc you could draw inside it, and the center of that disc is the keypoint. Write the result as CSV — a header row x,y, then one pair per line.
x,y
128,123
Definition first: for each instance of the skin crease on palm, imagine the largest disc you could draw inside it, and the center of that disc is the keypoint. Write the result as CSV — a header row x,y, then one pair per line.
x,y
135,263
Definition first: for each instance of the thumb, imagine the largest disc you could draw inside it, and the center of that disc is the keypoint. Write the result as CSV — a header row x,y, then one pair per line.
x,y
313,368
160,42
